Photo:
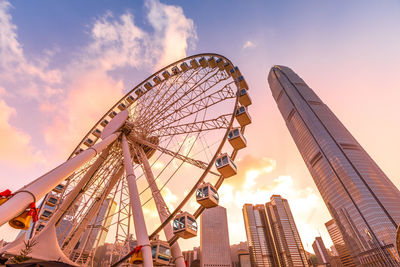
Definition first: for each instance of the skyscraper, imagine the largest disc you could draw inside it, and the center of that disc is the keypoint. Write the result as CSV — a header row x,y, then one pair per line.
x,y
360,197
272,234
339,245
320,251
214,238
96,232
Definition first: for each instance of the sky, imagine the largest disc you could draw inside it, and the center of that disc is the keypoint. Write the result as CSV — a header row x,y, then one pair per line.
x,y
63,64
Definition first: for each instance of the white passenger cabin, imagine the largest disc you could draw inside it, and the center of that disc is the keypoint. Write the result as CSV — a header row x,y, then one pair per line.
x,y
203,62
207,195
52,201
161,252
194,64
225,166
121,106
244,98
166,74
242,116
220,63
211,62
185,225
236,139
184,66
242,83
130,99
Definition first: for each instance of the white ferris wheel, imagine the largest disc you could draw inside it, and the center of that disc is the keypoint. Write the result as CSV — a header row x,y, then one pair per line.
x,y
167,133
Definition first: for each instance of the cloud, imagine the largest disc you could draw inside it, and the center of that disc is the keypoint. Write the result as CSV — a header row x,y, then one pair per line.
x,y
24,76
249,169
15,145
248,44
116,43
255,183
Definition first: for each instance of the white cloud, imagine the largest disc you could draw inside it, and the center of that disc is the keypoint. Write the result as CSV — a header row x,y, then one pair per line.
x,y
15,145
117,42
17,72
248,44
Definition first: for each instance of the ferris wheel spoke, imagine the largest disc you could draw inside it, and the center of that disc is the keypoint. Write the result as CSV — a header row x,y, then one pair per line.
x,y
70,243
201,104
168,94
190,92
221,122
198,163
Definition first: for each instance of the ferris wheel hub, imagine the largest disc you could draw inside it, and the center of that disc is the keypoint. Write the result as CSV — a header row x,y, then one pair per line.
x,y
115,124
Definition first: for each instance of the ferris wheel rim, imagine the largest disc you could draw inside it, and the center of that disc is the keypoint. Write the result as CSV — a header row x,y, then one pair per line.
x,y
221,142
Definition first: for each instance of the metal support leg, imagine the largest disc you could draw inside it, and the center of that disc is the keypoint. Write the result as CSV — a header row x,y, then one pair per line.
x,y
162,208
138,218
44,184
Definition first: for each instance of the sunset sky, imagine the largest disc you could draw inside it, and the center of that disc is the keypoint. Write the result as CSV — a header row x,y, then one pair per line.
x,y
56,55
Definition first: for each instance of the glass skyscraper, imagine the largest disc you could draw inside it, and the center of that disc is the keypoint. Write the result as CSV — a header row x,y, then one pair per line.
x,y
360,197
272,235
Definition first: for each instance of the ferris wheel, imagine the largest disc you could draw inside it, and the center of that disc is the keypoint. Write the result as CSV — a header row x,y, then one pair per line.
x,y
164,139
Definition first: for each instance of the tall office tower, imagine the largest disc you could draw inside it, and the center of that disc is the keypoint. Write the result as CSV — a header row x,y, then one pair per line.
x,y
339,244
360,197
257,232
96,233
286,236
321,252
272,234
214,238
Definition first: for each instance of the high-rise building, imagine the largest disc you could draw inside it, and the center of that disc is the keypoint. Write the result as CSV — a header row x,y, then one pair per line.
x,y
360,197
214,238
235,249
272,234
244,258
321,252
339,244
96,232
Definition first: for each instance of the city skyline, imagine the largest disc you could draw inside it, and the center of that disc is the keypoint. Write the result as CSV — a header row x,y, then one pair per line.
x,y
45,136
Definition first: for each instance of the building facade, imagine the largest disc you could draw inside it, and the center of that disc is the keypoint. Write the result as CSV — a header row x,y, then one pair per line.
x,y
272,234
340,246
321,252
214,238
360,197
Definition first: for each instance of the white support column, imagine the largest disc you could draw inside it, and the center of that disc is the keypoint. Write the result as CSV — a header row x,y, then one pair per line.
x,y
138,218
162,208
44,184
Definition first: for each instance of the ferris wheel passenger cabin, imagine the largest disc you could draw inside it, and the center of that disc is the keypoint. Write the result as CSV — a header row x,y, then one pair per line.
x,y
207,196
184,66
156,80
166,74
52,201
211,62
244,98
242,82
139,92
121,106
97,133
194,63
130,99
175,70
220,63
88,142
203,62
242,116
161,252
225,165
228,67
112,114
236,139
185,225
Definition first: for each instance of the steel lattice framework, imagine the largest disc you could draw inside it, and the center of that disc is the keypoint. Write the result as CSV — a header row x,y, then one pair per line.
x,y
182,114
